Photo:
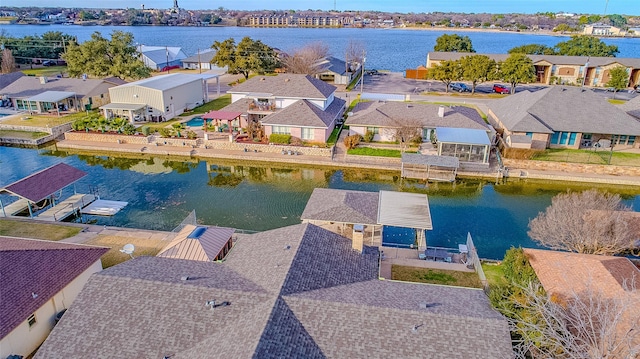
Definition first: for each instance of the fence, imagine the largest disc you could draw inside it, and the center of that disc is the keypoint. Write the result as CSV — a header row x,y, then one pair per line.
x,y
475,260
190,219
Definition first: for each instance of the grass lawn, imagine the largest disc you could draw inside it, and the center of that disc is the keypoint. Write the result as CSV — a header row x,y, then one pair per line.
x,y
334,136
25,135
216,104
380,152
616,101
44,71
589,156
51,232
144,247
43,120
435,276
494,273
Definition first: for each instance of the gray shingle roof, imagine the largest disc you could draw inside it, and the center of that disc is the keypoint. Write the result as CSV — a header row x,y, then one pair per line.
x,y
632,107
6,79
28,86
566,109
285,292
37,267
345,206
287,85
305,113
393,114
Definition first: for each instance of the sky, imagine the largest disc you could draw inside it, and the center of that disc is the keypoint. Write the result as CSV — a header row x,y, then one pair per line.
x,y
629,7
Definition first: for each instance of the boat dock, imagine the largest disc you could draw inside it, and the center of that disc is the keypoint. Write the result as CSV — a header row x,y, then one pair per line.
x,y
68,207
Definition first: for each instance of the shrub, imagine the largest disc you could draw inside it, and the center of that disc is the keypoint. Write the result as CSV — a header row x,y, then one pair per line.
x,y
279,138
146,130
192,135
368,136
129,129
352,141
78,125
520,153
295,141
416,140
165,132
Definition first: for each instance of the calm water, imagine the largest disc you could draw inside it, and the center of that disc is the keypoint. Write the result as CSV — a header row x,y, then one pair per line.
x,y
394,50
162,191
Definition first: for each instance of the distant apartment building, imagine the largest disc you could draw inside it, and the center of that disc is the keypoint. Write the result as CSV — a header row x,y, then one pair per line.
x,y
295,20
600,29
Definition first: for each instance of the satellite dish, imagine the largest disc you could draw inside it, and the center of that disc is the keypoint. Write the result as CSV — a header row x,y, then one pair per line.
x,y
128,249
350,113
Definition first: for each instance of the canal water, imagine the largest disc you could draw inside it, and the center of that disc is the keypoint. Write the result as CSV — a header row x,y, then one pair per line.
x,y
161,191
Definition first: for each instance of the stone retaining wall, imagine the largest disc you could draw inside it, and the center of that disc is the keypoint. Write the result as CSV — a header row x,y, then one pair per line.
x,y
252,147
177,142
54,131
106,137
572,167
24,141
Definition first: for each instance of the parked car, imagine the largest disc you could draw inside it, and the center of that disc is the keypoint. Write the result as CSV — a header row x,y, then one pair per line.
x,y
48,63
460,87
497,88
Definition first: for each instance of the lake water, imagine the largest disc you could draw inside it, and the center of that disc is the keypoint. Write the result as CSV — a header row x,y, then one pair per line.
x,y
161,191
394,50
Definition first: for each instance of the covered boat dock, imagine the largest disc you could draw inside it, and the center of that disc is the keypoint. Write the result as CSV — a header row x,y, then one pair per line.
x,y
429,167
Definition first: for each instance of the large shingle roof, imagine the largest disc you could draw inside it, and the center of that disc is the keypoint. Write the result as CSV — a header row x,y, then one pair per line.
x,y
285,292
41,268
632,107
343,206
394,114
42,184
305,113
566,109
6,79
287,85
28,86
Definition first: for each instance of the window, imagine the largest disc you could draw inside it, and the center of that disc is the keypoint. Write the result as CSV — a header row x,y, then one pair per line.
x,y
586,136
31,320
307,133
530,134
374,130
554,138
281,130
572,138
631,141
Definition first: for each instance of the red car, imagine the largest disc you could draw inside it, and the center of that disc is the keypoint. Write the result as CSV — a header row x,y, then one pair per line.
x,y
497,88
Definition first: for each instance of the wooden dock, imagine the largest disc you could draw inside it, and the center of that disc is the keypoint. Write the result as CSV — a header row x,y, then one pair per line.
x,y
15,207
66,208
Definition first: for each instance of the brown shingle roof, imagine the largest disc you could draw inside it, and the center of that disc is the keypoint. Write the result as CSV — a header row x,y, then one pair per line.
x,y
287,85
37,268
294,292
393,114
39,185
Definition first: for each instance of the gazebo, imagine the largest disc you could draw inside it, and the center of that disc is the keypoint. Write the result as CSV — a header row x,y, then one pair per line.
x,y
228,116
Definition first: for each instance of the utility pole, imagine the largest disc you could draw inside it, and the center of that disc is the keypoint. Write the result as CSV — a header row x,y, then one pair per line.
x,y
166,50
199,63
364,59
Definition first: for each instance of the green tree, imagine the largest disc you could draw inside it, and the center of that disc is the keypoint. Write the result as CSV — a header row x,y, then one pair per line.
x,y
247,56
584,45
517,68
453,43
101,57
533,49
477,69
446,72
618,78
617,20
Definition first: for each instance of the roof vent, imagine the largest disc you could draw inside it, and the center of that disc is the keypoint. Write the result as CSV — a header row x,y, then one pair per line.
x,y
287,80
34,295
263,79
287,247
441,111
43,80
184,278
409,106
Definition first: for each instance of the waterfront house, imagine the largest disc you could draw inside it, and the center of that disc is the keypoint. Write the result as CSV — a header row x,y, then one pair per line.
x,y
600,29
157,98
39,280
161,58
384,119
562,117
293,292
297,105
556,69
567,276
202,60
58,94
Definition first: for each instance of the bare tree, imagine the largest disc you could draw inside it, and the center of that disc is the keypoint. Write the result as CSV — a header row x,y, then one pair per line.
x,y
589,324
8,62
408,132
354,55
306,60
589,222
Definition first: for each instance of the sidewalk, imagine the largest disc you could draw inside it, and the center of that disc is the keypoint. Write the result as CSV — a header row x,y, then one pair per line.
x,y
91,231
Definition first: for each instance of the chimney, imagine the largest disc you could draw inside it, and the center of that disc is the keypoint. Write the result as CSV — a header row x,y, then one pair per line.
x,y
43,80
357,241
441,111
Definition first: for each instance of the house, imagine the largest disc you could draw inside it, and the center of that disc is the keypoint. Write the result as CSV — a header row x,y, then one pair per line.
x,y
556,69
39,280
202,60
161,58
46,94
297,105
157,98
384,119
600,29
199,243
336,71
566,275
293,292
563,117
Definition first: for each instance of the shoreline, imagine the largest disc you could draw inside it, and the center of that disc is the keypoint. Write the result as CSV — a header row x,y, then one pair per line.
x,y
348,161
